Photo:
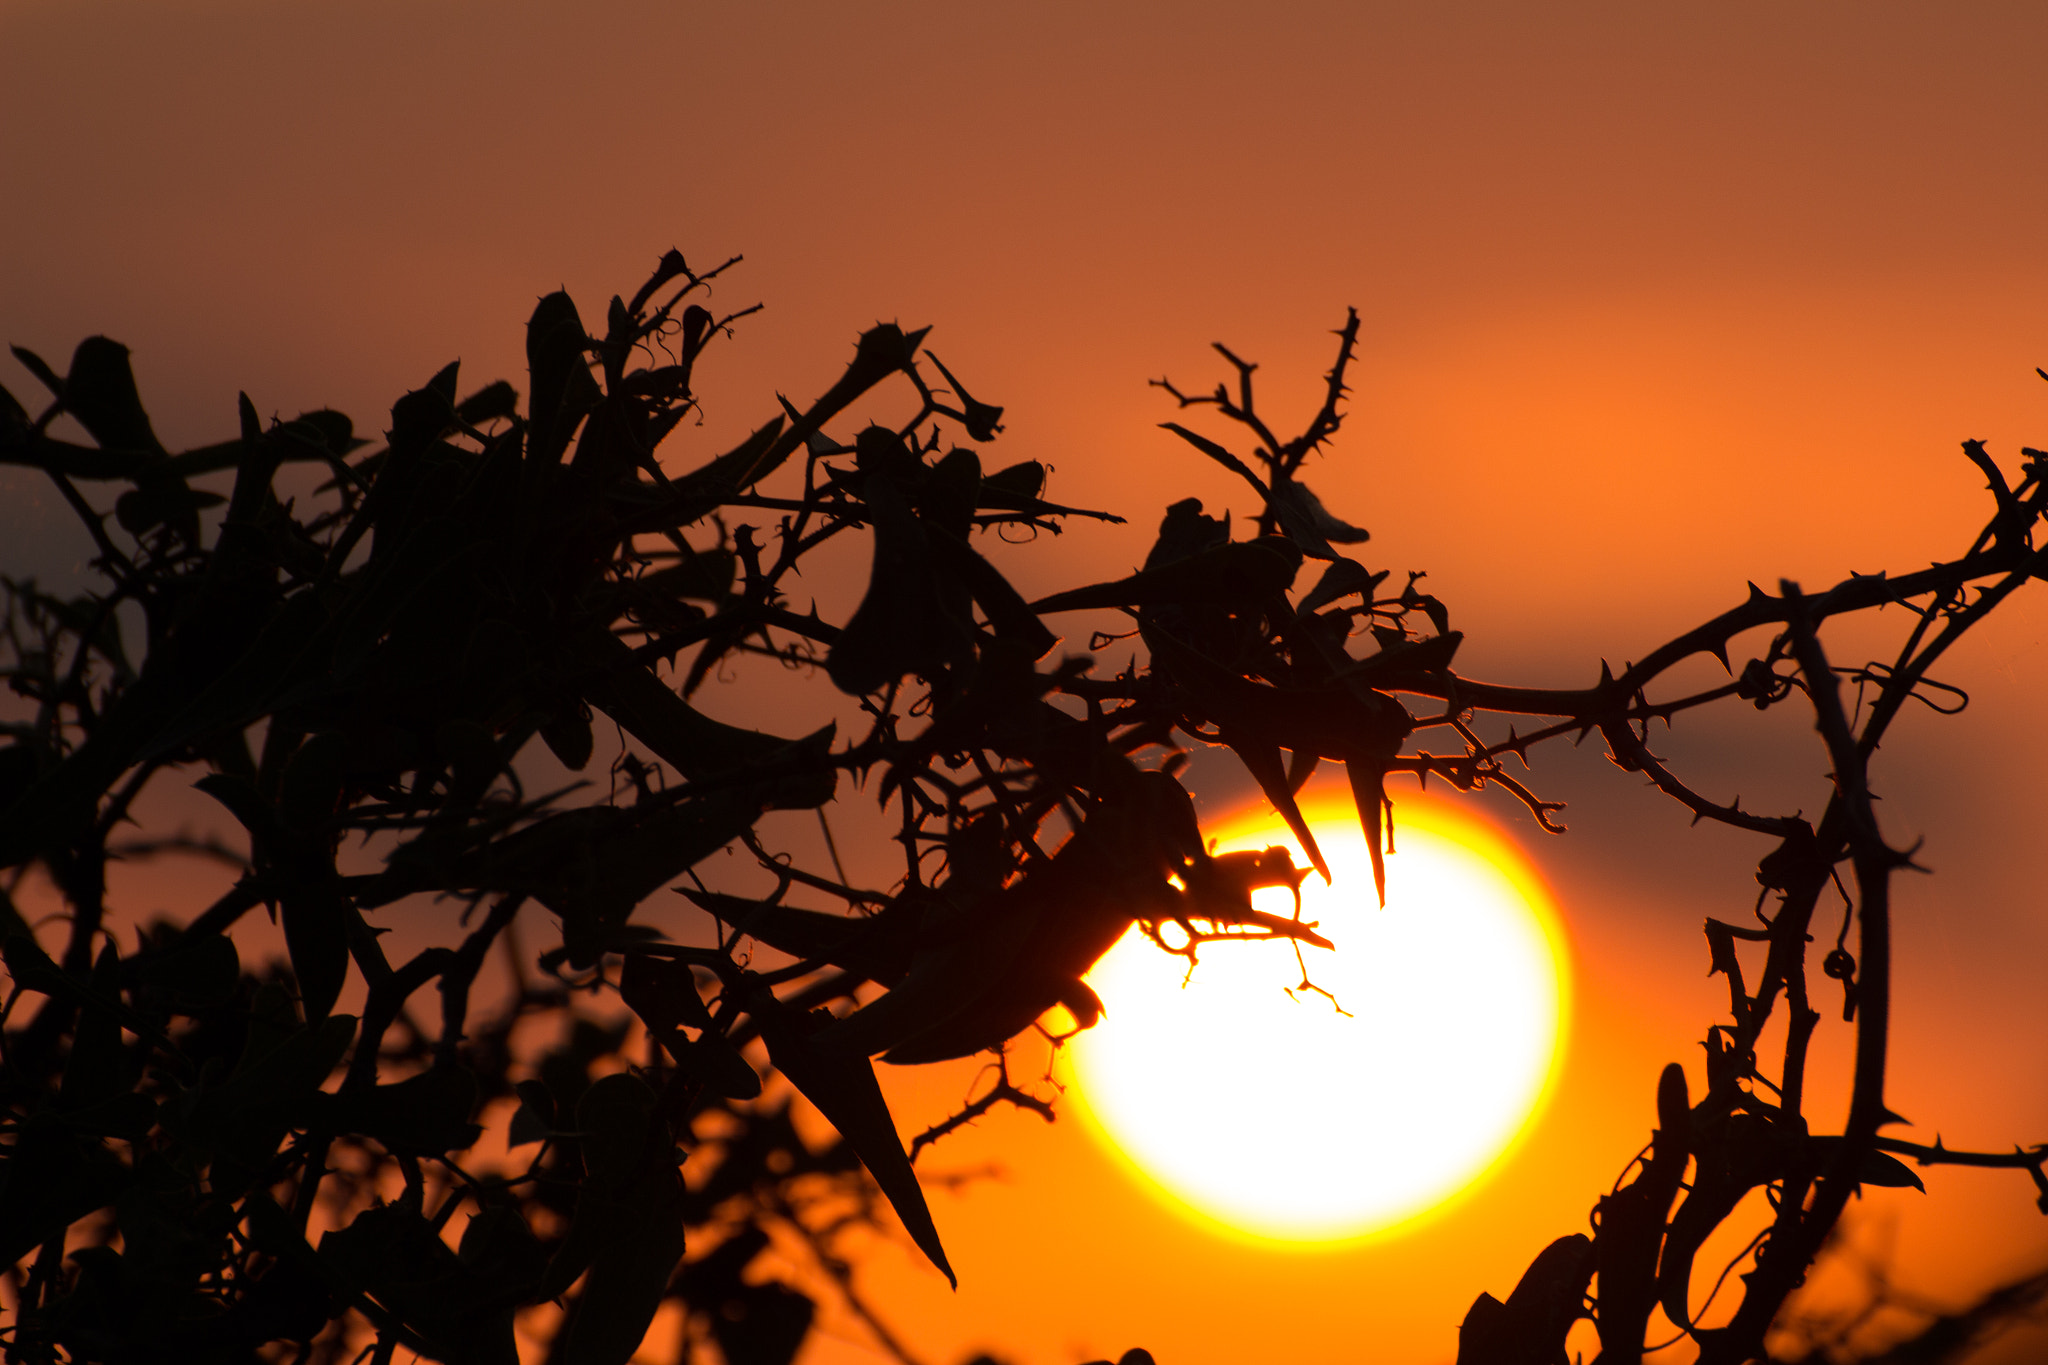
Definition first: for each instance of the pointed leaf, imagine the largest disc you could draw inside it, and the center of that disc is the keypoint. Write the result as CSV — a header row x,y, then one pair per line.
x,y
1369,796
845,1091
535,1117
878,947
1216,453
1874,1168
1341,579
96,1070
40,368
699,747
1245,570
1021,482
1262,761
315,919
245,803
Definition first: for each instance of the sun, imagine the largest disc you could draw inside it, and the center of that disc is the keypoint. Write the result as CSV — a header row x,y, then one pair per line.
x,y
1266,1112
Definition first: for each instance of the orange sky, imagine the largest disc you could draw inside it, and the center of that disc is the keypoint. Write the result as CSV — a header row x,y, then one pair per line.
x,y
1653,303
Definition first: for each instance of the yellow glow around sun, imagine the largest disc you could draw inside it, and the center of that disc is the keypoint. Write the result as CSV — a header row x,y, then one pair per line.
x,y
1271,1115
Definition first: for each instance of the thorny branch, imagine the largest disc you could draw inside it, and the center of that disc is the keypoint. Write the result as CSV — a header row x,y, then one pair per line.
x,y
1003,1091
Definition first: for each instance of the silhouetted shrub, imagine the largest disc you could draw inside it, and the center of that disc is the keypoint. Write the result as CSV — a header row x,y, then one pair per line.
x,y
204,1162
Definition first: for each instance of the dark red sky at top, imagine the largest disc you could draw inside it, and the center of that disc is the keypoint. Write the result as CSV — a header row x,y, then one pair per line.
x,y
1655,301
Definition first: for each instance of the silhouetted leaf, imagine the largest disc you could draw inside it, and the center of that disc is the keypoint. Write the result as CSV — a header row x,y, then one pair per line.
x,y
945,977
1012,484
100,392
1015,622
52,1177
628,1227
126,1115
1186,530
1368,784
245,803
32,969
1308,524
844,1089
568,737
40,368
240,1123
427,1113
238,690
423,416
591,866
1342,578
982,420
158,504
700,748
97,1069
398,1257
290,1301
1241,571
534,1120
502,1252
628,1278
616,1120
1872,1167
878,947
903,624
1217,453
562,391
315,916
311,783
1530,1328
1401,661
708,577
762,1324
663,993
19,766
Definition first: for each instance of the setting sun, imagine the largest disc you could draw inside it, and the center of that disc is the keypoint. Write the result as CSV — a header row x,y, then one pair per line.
x,y
1264,1110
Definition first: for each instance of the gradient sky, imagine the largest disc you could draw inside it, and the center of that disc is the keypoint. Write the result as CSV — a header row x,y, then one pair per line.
x,y
1654,302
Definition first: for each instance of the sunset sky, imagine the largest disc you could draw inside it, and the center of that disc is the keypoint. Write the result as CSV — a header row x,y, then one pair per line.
x,y
1654,302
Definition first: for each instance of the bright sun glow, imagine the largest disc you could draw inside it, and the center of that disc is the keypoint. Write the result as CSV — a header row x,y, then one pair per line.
x,y
1275,1117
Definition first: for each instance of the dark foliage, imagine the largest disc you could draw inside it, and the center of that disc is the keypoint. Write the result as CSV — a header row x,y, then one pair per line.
x,y
208,1163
